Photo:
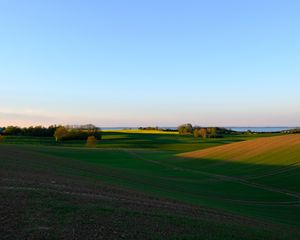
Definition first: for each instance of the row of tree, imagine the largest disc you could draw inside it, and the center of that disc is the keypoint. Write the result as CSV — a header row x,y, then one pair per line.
x,y
61,133
157,129
204,132
292,131
89,127
210,132
37,131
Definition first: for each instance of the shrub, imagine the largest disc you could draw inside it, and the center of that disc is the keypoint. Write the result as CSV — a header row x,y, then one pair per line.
x,y
91,141
2,138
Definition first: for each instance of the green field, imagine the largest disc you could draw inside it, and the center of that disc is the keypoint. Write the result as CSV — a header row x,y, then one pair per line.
x,y
263,185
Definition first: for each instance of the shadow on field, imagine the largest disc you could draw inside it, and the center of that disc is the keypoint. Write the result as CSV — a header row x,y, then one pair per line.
x,y
65,193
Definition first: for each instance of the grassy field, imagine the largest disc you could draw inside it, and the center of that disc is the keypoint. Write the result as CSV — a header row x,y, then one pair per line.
x,y
241,189
141,131
157,141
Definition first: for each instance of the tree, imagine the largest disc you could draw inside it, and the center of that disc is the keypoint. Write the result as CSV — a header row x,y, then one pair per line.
x,y
59,133
213,132
91,129
196,133
203,132
91,141
185,128
12,130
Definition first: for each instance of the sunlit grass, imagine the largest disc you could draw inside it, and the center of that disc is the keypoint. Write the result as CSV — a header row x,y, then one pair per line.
x,y
141,131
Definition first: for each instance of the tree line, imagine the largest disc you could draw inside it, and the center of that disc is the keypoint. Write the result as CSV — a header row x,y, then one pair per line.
x,y
157,129
37,131
61,133
204,132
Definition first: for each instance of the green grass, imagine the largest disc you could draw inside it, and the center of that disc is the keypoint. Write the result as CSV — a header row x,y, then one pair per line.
x,y
161,141
148,163
122,168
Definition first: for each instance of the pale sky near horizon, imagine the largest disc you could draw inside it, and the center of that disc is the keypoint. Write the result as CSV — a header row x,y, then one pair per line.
x,y
142,63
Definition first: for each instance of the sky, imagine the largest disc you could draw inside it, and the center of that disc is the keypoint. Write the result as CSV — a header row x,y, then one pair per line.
x,y
118,63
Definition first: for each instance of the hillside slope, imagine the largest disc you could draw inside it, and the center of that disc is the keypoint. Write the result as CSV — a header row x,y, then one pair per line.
x,y
271,161
48,197
250,150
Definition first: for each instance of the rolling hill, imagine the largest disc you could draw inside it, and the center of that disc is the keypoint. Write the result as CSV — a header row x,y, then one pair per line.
x,y
238,190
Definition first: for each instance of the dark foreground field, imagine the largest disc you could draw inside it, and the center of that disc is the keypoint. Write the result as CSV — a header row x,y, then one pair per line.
x,y
137,187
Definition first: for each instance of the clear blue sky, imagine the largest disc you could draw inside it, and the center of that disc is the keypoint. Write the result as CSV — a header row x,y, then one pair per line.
x,y
156,62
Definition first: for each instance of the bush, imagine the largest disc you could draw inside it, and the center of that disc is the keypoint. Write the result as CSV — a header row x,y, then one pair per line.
x,y
2,138
91,141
